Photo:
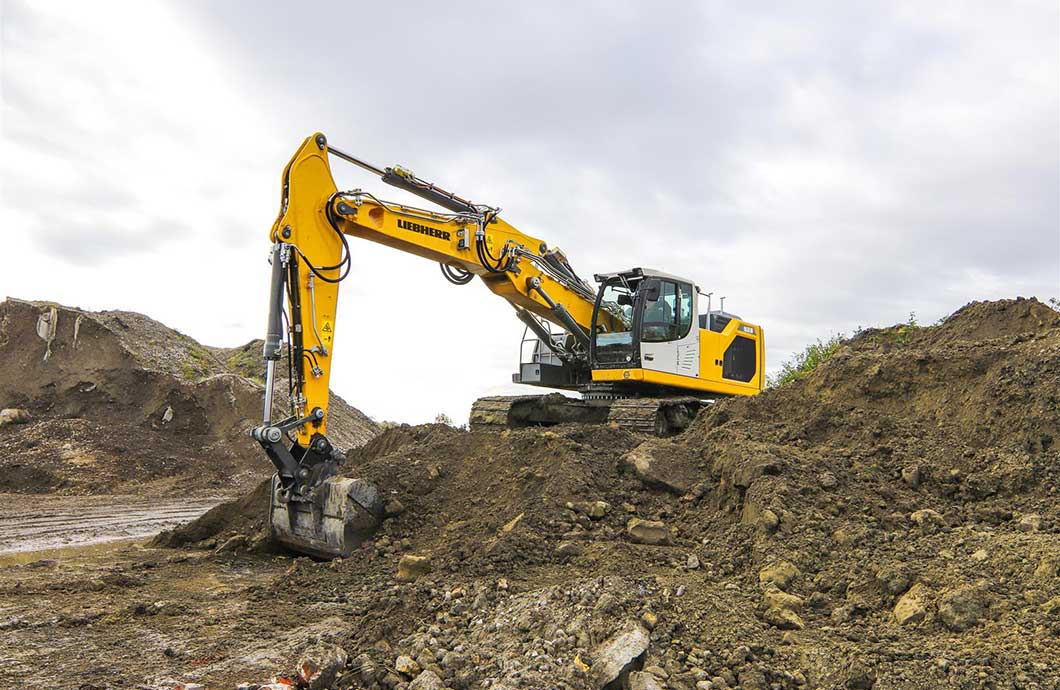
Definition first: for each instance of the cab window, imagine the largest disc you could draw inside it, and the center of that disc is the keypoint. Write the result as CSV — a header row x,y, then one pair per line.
x,y
667,311
613,334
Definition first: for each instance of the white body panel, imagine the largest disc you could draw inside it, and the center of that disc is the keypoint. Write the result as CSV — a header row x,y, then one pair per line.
x,y
675,356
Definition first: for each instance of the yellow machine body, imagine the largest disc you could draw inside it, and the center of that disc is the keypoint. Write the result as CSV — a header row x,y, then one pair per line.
x,y
310,195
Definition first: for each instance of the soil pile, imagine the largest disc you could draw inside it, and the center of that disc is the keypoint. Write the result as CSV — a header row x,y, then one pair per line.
x,y
118,402
889,521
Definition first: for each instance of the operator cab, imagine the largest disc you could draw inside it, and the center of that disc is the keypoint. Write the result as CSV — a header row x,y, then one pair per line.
x,y
648,335
637,309
649,339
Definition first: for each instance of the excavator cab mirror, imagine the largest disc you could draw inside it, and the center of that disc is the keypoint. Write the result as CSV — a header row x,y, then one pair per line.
x,y
625,300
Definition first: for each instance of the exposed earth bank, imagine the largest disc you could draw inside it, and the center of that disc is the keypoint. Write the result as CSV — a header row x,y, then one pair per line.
x,y
889,521
116,403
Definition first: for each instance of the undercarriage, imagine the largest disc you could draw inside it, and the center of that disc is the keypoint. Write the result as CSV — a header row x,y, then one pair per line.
x,y
664,416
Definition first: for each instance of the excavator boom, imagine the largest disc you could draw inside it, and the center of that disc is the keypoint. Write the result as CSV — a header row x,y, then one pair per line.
x,y
315,513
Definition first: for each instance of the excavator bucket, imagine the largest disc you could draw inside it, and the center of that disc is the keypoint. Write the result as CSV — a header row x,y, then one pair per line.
x,y
332,522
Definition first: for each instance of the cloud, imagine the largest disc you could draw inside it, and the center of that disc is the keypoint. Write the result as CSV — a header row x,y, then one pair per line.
x,y
822,165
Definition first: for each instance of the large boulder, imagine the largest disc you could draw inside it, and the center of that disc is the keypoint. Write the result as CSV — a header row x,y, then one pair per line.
x,y
663,464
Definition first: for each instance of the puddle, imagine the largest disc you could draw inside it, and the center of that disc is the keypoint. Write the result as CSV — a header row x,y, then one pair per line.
x,y
41,523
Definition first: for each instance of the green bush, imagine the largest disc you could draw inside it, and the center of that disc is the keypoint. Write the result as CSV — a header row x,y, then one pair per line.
x,y
806,361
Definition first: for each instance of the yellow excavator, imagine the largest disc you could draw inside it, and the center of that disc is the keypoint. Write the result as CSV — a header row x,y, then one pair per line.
x,y
636,347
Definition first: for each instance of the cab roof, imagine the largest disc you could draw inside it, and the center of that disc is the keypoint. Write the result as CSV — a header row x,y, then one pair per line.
x,y
640,272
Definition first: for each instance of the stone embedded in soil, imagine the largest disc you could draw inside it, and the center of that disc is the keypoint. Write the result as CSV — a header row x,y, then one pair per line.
x,y
894,579
233,544
1051,608
411,567
393,507
599,509
911,475
653,532
768,520
780,574
963,607
752,679
781,610
662,463
14,415
569,549
594,510
1048,568
912,607
860,676
928,520
1031,522
406,665
639,680
774,598
616,654
427,680
319,668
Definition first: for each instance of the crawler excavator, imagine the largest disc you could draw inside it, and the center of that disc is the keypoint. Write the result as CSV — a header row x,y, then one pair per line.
x,y
636,348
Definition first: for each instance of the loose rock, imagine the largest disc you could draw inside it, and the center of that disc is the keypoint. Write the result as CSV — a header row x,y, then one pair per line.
x,y
652,532
780,574
768,520
617,653
912,607
963,607
928,520
639,680
406,665
411,567
319,669
427,680
14,415
661,463
1031,523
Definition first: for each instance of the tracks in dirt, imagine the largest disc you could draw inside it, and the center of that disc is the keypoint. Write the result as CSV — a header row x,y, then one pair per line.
x,y
34,523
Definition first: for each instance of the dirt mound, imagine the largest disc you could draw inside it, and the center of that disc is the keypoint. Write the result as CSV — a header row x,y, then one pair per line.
x,y
121,403
890,520
243,517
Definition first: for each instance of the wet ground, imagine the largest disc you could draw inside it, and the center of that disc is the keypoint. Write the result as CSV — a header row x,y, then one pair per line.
x,y
120,615
36,523
86,603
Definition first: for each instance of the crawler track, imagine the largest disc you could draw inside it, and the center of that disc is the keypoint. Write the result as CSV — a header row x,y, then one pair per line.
x,y
653,416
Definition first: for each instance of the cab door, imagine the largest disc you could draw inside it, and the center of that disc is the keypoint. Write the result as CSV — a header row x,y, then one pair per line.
x,y
668,343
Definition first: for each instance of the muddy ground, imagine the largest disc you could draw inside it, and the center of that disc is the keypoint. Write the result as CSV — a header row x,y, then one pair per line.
x,y
890,521
37,523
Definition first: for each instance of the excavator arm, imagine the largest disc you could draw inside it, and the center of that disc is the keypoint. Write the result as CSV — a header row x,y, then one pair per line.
x,y
310,256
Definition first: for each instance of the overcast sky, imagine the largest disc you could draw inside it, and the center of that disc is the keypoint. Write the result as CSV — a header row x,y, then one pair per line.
x,y
824,165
